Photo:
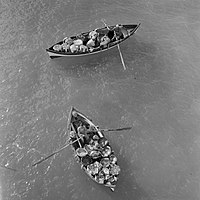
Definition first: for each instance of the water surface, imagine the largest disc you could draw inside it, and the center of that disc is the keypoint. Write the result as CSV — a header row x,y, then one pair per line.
x,y
158,95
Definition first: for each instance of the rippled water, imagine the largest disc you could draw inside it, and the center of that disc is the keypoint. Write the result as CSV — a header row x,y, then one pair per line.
x,y
158,95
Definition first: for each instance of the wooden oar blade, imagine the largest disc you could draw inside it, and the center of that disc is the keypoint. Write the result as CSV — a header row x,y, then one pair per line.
x,y
125,128
118,129
12,169
121,57
43,159
120,53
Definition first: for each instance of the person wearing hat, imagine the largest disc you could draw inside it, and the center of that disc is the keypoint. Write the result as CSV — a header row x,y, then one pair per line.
x,y
120,32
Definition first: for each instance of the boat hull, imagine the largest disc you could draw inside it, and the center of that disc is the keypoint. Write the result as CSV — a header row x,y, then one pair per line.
x,y
53,55
99,163
131,29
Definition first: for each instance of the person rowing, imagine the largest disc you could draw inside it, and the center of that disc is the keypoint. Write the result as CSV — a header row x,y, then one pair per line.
x,y
83,133
117,33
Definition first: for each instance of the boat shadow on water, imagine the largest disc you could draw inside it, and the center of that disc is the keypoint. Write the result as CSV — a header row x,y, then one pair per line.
x,y
139,57
89,61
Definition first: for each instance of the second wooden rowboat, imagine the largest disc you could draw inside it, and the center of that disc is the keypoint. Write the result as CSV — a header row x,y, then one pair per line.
x,y
93,151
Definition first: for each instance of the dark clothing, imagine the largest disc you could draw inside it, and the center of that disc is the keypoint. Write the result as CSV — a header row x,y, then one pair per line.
x,y
118,33
97,43
86,160
115,34
111,34
75,144
89,136
86,140
85,40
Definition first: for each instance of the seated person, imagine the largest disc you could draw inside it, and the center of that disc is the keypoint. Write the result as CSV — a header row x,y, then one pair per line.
x,y
78,42
83,48
81,152
84,37
70,45
66,47
57,47
67,42
104,41
66,39
73,138
120,32
81,131
83,134
74,48
86,160
78,46
93,40
111,34
93,34
91,43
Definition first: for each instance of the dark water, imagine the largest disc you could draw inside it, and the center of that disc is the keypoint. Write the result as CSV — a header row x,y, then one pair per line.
x,y
158,95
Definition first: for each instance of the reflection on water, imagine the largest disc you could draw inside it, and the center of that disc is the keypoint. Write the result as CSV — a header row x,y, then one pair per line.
x,y
158,95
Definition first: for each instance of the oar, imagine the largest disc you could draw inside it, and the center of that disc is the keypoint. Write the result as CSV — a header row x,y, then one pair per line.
x,y
65,146
55,152
117,129
105,24
120,53
122,60
76,135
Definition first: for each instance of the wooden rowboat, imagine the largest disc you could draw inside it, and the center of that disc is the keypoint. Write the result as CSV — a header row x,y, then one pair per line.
x,y
92,150
130,30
